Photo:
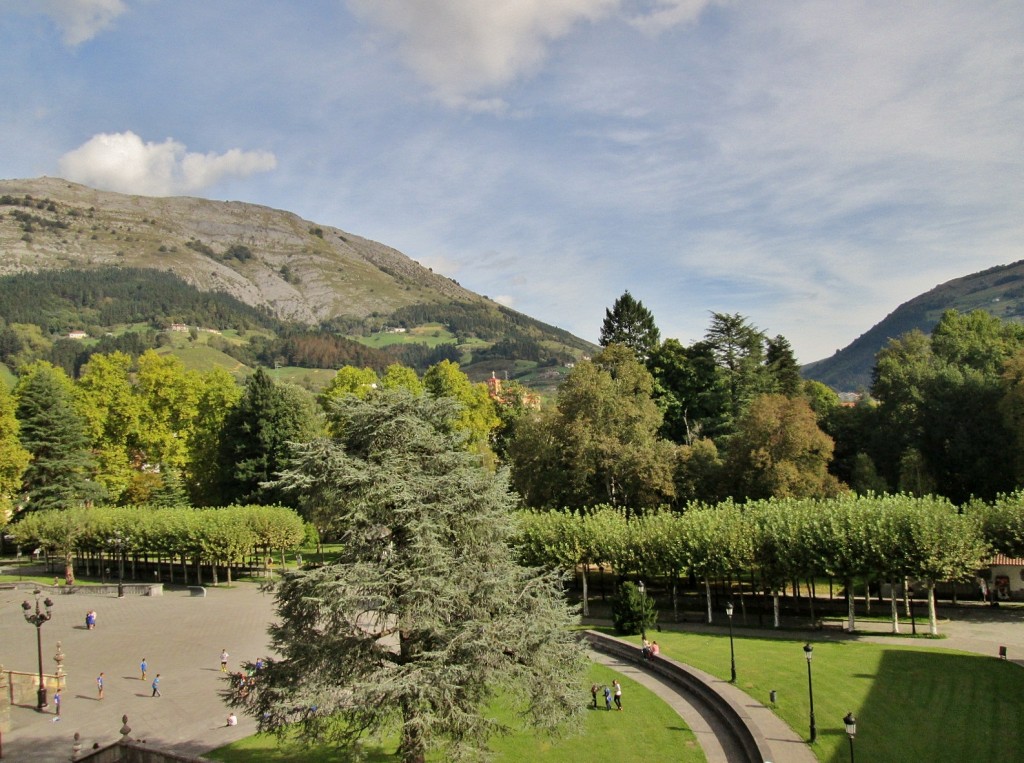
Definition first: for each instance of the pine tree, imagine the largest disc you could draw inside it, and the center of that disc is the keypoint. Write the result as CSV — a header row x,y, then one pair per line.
x,y
255,443
628,322
425,617
54,433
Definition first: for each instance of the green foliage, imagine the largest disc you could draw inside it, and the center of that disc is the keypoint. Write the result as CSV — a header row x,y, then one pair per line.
x,y
257,438
629,323
54,433
632,612
601,445
424,616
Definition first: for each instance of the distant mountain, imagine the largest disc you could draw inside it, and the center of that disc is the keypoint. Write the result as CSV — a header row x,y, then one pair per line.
x,y
998,291
303,275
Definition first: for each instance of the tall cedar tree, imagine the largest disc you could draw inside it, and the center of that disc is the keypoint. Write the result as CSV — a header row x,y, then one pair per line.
x,y
54,433
628,322
425,618
255,443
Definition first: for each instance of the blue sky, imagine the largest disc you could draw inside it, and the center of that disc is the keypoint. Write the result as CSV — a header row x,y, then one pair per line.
x,y
810,165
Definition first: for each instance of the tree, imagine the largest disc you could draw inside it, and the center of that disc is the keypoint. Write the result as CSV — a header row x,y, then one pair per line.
x,y
631,324
687,389
218,396
13,457
257,438
779,451
349,380
424,616
739,350
477,416
397,375
602,444
114,413
782,366
60,473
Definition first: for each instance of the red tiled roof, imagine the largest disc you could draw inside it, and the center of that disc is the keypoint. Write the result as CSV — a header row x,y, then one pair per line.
x,y
1003,560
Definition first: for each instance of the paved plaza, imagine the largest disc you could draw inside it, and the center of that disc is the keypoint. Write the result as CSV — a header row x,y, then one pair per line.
x,y
181,637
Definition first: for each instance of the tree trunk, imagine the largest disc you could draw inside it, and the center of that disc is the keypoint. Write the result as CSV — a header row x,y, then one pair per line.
x,y
69,568
776,621
707,596
867,598
850,614
586,592
933,619
906,598
895,608
810,602
675,598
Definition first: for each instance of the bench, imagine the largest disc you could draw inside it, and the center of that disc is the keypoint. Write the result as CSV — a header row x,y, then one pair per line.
x,y
196,590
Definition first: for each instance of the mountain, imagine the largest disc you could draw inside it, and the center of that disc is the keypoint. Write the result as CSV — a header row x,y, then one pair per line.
x,y
304,275
998,291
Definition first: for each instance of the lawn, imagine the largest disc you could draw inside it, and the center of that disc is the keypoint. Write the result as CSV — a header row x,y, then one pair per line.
x,y
647,730
911,703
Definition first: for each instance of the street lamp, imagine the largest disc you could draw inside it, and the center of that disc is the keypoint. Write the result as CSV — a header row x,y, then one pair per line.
x,y
118,542
37,619
732,650
643,609
809,653
851,730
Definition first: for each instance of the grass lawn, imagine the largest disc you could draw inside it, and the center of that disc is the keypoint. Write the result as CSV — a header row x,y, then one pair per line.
x,y
647,730
911,703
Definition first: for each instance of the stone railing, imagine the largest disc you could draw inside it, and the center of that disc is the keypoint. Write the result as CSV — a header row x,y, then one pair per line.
x,y
734,718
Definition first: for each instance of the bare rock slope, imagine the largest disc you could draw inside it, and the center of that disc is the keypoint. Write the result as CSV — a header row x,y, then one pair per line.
x,y
298,269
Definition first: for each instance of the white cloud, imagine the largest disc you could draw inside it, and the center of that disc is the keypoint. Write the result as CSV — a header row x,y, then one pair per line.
x,y
463,47
122,162
667,14
81,20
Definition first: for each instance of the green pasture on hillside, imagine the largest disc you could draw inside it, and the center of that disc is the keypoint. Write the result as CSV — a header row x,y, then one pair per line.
x,y
646,730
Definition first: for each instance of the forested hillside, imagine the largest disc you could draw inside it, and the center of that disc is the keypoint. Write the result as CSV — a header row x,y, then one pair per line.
x,y
998,291
312,287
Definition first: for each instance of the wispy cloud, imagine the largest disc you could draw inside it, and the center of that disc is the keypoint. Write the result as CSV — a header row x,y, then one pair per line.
x,y
123,162
79,20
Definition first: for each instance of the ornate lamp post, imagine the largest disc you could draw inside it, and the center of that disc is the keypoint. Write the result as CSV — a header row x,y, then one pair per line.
x,y
851,730
118,542
37,619
808,653
732,650
643,609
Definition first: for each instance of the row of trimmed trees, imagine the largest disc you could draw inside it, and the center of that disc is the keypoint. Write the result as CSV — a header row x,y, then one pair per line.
x,y
890,539
192,538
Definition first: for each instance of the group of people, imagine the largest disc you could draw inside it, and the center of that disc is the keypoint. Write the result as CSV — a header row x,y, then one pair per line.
x,y
613,692
90,619
650,650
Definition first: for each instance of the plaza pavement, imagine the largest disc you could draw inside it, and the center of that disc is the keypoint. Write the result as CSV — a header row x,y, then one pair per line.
x,y
181,637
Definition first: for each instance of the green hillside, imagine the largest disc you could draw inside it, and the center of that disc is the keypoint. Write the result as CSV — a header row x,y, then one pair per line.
x,y
998,291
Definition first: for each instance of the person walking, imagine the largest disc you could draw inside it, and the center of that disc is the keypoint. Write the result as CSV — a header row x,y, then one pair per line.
x,y
607,698
156,686
593,693
224,660
618,694
56,704
99,685
143,666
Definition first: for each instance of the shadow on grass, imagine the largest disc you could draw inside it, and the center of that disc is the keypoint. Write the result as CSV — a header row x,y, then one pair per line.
x,y
937,706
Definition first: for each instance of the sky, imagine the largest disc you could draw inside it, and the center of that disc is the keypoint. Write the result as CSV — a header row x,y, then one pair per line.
x,y
809,165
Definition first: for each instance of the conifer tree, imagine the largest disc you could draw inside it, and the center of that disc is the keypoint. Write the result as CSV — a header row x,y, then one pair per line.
x,y
60,473
425,617
628,322
258,433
